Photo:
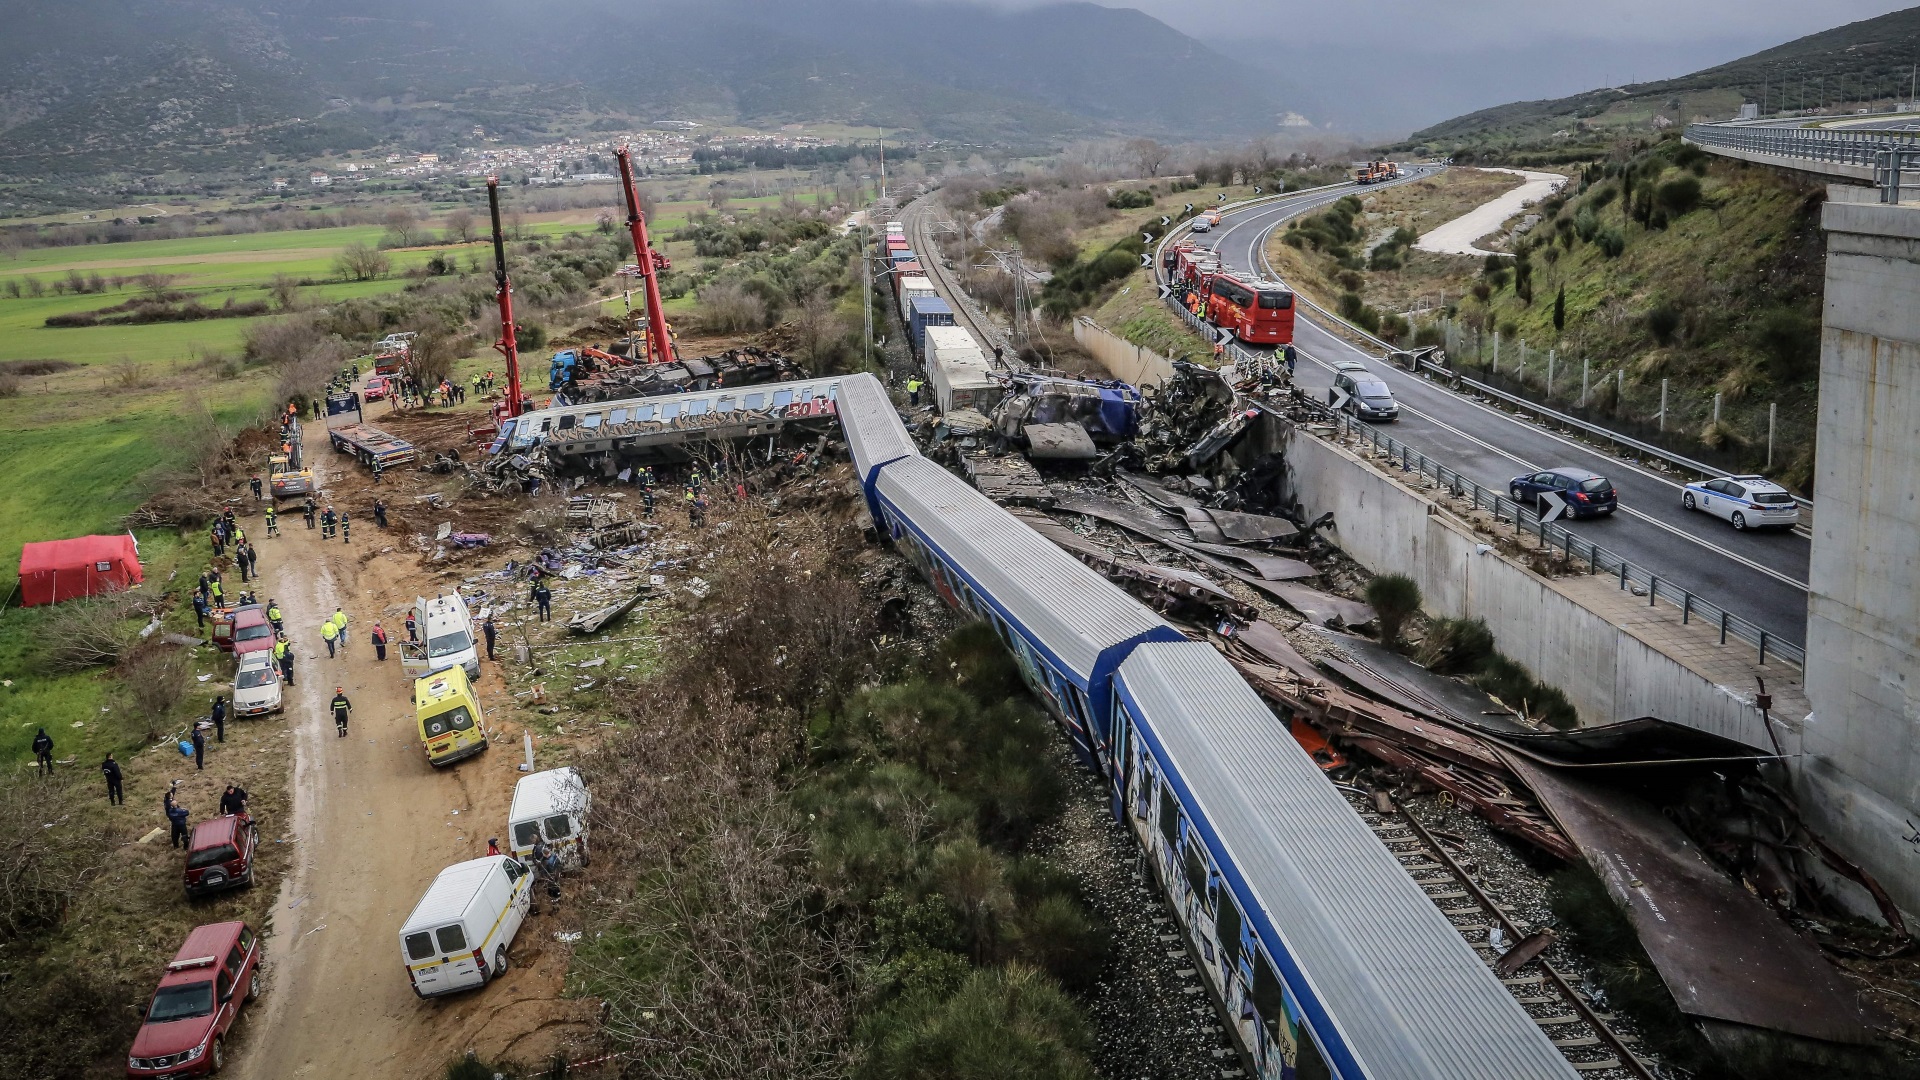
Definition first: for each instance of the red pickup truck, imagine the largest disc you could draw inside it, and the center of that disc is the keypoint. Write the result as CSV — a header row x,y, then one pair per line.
x,y
186,1024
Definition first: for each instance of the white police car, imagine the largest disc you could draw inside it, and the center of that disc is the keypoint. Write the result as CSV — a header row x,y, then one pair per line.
x,y
1749,502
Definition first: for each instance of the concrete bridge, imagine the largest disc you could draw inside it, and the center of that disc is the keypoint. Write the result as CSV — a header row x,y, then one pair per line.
x,y
1885,158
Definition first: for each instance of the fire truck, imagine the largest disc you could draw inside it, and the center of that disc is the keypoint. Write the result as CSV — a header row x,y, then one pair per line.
x,y
1257,312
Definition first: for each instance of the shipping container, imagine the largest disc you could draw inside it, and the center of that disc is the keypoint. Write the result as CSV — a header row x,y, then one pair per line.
x,y
924,312
910,287
959,369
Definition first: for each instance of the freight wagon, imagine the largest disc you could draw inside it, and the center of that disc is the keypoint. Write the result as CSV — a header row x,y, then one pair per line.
x,y
923,312
959,371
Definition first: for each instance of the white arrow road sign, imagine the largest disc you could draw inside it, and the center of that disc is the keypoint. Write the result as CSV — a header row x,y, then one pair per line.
x,y
1223,196
1166,221
1189,208
1337,400
1552,506
1146,260
1165,292
1146,238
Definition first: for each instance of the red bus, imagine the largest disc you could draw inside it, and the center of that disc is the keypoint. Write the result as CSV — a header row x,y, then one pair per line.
x,y
1258,312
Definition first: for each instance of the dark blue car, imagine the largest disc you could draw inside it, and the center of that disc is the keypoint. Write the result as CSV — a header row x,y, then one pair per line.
x,y
1586,494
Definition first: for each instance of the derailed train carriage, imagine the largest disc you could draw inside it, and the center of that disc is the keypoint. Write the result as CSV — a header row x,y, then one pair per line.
x,y
1301,921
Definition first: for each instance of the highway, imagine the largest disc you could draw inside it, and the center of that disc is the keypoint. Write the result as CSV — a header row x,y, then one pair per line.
x,y
1759,576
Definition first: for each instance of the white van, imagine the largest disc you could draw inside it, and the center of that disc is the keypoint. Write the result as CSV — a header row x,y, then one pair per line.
x,y
552,805
458,934
446,638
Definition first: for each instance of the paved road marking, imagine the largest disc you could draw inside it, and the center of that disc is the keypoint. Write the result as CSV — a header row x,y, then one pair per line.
x,y
1640,515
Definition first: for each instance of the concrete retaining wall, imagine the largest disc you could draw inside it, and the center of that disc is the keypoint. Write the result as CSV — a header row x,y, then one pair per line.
x,y
1608,673
1122,358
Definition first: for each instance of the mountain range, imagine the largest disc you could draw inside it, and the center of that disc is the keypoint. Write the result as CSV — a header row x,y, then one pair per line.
x,y
155,85
1870,61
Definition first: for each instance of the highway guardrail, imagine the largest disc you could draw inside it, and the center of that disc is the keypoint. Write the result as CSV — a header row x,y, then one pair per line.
x,y
1554,538
1455,380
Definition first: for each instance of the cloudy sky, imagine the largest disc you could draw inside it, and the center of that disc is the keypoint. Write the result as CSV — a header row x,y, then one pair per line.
x,y
1433,59
1510,23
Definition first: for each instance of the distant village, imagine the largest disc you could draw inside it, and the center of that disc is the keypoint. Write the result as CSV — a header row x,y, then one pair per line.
x,y
668,148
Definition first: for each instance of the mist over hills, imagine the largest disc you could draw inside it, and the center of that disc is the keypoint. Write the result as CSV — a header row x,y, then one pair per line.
x,y
1866,61
151,85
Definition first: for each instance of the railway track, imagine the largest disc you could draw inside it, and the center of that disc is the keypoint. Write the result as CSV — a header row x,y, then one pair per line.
x,y
919,222
1581,1032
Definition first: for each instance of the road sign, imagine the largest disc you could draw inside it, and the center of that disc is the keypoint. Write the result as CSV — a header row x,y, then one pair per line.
x,y
1256,191
1189,208
1146,238
1146,260
1552,506
1166,221
1165,292
1337,399
1223,196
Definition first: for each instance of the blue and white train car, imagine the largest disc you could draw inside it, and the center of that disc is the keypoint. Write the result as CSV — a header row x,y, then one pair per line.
x,y
875,435
1067,627
1301,917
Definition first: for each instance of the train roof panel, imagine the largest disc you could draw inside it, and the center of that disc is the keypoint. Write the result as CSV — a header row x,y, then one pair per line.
x,y
1407,996
1073,611
872,425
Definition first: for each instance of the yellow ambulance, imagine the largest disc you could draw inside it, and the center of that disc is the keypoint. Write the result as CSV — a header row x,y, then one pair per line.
x,y
451,724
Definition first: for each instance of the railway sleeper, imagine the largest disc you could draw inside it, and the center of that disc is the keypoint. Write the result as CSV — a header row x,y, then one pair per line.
x,y
1605,1064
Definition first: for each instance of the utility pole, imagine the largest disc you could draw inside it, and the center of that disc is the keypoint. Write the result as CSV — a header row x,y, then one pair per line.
x,y
866,280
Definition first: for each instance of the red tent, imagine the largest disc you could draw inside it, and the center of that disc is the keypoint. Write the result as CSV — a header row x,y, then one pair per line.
x,y
56,570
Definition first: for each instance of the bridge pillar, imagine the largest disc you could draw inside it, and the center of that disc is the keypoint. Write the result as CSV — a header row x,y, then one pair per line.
x,y
1860,774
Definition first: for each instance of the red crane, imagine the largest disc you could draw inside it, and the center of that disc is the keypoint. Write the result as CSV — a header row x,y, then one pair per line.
x,y
503,292
659,345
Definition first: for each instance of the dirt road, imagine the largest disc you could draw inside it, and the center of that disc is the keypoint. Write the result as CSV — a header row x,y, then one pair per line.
x,y
1458,237
375,823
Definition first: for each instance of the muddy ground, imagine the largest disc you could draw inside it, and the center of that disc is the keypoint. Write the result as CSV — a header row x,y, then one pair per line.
x,y
373,823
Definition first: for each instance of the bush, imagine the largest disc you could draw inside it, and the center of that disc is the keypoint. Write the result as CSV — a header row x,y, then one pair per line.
x,y
1663,322
1790,339
728,308
1005,1024
1130,199
1394,598
362,262
1610,241
1456,646
1678,195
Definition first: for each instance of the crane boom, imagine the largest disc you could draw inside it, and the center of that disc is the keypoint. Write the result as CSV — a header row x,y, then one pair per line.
x,y
659,344
503,292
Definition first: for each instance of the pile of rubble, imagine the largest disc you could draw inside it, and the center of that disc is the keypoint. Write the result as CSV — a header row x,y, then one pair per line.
x,y
746,366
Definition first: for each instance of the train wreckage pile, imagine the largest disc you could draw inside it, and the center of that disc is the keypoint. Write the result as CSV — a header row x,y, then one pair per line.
x,y
1696,838
1179,495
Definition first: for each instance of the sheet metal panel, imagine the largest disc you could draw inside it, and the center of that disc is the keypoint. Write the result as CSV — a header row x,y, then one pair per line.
x,y
872,425
1390,988
1074,612
533,427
